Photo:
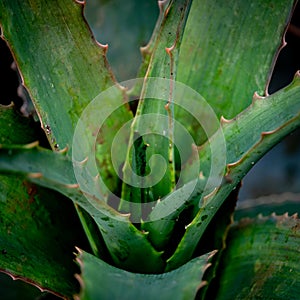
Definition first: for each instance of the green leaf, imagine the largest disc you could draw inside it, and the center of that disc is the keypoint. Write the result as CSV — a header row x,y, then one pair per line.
x,y
252,126
38,233
244,148
261,260
227,57
38,227
215,238
127,246
60,93
69,71
165,214
158,116
15,127
102,281
214,52
230,48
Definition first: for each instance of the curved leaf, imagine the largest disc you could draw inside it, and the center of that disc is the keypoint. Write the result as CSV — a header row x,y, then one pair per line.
x,y
38,233
261,260
102,281
227,57
63,69
159,112
15,128
226,49
244,148
127,246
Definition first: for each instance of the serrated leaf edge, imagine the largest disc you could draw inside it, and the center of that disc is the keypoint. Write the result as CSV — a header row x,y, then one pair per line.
x,y
31,282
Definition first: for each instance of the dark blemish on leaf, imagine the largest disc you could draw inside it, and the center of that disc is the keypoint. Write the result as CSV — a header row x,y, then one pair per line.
x,y
4,251
203,218
296,227
56,146
48,129
31,191
123,253
228,179
23,257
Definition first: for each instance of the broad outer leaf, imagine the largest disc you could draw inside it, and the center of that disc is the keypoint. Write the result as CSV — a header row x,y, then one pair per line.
x,y
227,53
102,281
63,69
261,260
38,233
230,48
38,227
14,128
127,246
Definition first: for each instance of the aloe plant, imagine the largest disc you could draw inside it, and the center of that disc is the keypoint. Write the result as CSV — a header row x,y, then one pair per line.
x,y
140,178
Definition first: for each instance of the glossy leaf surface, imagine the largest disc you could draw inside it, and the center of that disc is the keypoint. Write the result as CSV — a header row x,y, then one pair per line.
x,y
261,260
102,281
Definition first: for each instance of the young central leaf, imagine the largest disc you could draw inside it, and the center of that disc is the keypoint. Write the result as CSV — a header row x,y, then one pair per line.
x,y
154,121
149,169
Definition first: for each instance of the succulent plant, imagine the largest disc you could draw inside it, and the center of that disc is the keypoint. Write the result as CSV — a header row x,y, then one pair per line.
x,y
133,196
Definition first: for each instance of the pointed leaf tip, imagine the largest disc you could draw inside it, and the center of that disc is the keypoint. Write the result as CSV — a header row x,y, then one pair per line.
x,y
256,97
224,121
